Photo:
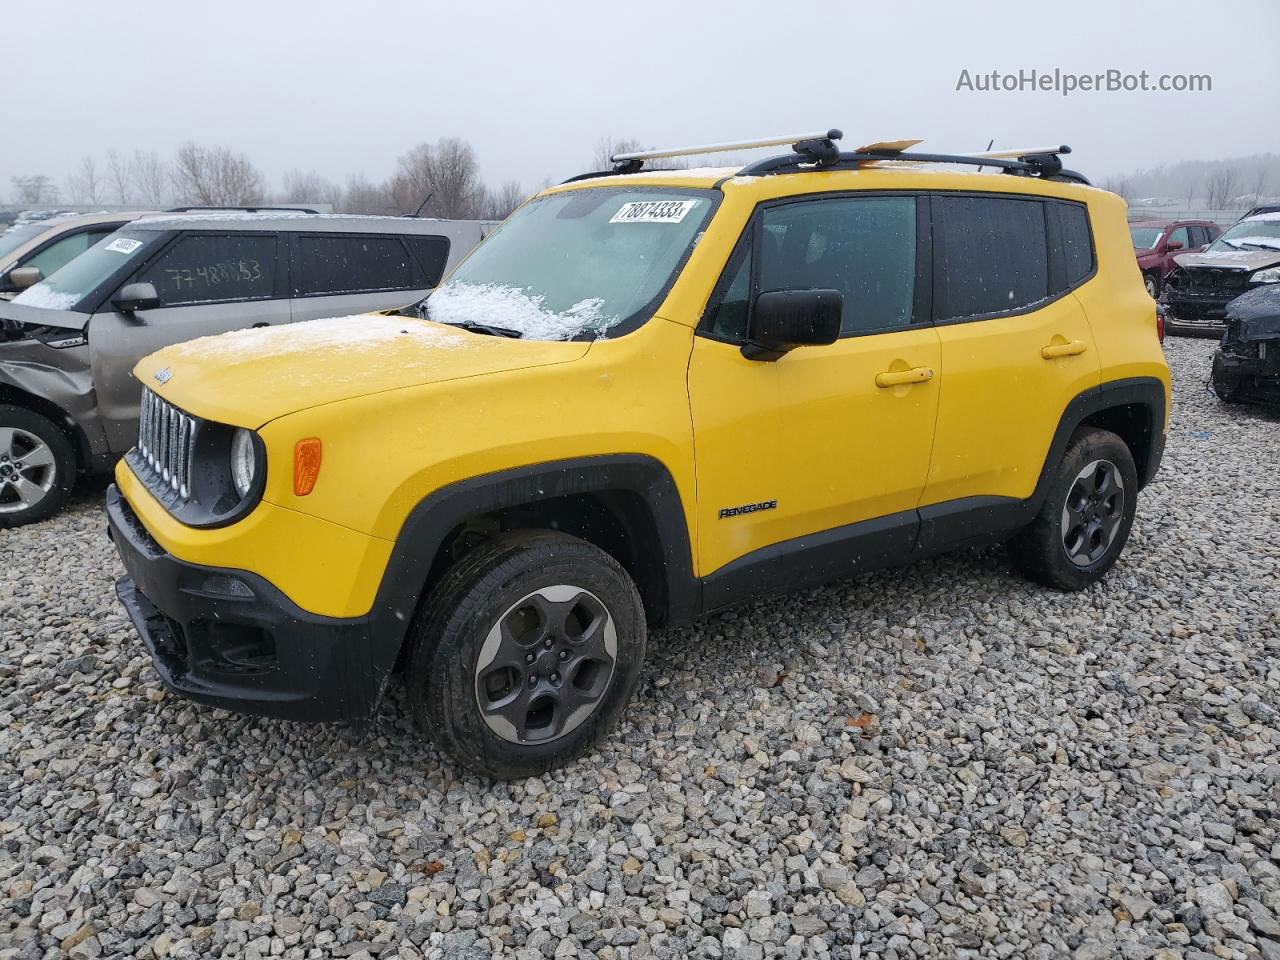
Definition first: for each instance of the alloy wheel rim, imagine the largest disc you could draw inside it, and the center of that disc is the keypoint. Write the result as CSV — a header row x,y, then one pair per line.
x,y
27,470
1151,287
545,665
1092,512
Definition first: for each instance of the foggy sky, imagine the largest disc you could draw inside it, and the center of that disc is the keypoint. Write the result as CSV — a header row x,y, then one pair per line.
x,y
344,88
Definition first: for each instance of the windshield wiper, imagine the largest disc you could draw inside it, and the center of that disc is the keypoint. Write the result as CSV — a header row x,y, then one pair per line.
x,y
486,328
424,311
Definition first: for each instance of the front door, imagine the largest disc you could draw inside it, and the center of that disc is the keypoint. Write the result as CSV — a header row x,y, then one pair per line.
x,y
829,446
208,284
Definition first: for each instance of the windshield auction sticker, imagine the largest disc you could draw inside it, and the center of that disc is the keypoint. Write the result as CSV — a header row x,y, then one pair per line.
x,y
123,245
654,211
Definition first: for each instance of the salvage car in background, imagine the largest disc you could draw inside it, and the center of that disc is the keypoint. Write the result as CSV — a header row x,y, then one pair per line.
x,y
1246,365
1156,241
29,252
1201,285
68,400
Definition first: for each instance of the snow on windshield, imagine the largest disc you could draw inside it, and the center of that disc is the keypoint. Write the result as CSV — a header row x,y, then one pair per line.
x,y
362,332
47,298
461,303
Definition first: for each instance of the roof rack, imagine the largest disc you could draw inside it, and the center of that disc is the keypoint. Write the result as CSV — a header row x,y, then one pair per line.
x,y
818,151
238,209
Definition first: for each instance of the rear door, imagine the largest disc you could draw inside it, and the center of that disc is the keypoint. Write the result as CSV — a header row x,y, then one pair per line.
x,y
1016,345
208,283
341,274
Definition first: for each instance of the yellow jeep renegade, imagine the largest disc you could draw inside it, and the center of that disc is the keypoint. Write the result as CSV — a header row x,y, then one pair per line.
x,y
647,396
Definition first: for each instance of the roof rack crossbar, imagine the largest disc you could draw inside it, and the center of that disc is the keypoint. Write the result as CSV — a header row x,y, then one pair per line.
x,y
1044,163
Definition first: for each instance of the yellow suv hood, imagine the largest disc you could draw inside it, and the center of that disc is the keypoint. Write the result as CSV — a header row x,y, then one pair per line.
x,y
250,377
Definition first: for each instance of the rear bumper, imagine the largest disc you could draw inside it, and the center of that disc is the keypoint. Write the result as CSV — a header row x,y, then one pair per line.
x,y
230,639
1249,371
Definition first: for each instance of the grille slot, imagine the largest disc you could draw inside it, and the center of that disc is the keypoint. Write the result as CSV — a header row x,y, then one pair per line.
x,y
166,444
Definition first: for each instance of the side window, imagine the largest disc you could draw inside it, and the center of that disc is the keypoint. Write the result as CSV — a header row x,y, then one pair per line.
x,y
61,252
1180,236
432,253
865,247
340,263
728,319
990,255
1072,242
212,268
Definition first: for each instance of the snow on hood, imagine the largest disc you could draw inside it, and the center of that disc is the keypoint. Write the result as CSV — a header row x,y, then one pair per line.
x,y
1230,259
46,298
502,306
249,377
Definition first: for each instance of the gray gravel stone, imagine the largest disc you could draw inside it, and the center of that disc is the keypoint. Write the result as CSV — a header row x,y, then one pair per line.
x,y
938,761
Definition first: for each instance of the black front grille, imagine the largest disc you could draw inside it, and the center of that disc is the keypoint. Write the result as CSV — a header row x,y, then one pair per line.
x,y
1217,280
166,444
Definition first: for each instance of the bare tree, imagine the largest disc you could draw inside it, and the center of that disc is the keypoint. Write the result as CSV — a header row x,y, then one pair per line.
x,y
1119,186
1259,183
309,187
150,177
498,204
119,177
1220,186
441,180
215,176
85,186
35,188
361,196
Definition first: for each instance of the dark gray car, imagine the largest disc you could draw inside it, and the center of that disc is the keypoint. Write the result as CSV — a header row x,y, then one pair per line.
x,y
68,399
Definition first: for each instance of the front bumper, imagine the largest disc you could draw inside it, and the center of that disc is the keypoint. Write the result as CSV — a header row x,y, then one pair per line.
x,y
230,639
1197,314
1248,370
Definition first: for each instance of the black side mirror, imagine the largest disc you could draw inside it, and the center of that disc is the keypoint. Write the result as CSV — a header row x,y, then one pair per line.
x,y
785,319
136,296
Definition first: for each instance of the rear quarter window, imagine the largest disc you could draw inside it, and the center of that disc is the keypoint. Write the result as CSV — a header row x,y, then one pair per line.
x,y
1072,242
333,264
432,253
990,255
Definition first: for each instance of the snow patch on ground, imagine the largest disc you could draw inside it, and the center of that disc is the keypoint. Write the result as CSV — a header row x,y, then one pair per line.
x,y
503,306
46,298
357,333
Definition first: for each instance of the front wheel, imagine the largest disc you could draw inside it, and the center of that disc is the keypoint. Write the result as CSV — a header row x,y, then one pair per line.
x,y
1084,522
1152,282
37,466
528,653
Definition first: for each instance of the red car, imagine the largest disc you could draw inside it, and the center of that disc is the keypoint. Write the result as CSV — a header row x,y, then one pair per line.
x,y
1156,241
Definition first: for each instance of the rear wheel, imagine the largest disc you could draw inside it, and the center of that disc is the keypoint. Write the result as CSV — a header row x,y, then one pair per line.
x,y
1084,522
528,654
37,466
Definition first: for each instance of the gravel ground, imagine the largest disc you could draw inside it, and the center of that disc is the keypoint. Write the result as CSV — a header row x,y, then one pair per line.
x,y
941,761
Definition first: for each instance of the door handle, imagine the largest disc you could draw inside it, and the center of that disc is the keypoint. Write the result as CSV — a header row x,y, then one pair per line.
x,y
1072,349
898,378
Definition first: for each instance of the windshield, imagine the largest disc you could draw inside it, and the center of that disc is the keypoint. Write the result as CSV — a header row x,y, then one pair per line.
x,y
1144,238
15,237
572,264
65,289
1257,234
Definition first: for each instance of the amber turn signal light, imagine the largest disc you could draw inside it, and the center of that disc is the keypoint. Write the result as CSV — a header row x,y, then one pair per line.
x,y
306,465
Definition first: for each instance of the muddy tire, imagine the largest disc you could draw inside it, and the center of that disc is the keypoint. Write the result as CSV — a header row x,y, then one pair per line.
x,y
527,654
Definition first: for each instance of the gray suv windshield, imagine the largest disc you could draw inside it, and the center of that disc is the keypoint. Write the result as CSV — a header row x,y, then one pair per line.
x,y
67,288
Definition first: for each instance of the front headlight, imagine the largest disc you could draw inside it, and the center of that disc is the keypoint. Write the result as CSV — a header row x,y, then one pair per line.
x,y
1267,275
244,462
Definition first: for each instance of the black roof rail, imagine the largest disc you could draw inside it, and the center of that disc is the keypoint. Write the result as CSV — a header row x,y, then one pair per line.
x,y
238,209
1045,163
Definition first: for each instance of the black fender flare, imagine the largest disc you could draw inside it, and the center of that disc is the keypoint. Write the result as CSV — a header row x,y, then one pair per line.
x,y
442,511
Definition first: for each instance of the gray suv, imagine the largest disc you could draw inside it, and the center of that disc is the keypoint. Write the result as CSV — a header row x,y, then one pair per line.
x,y
68,400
